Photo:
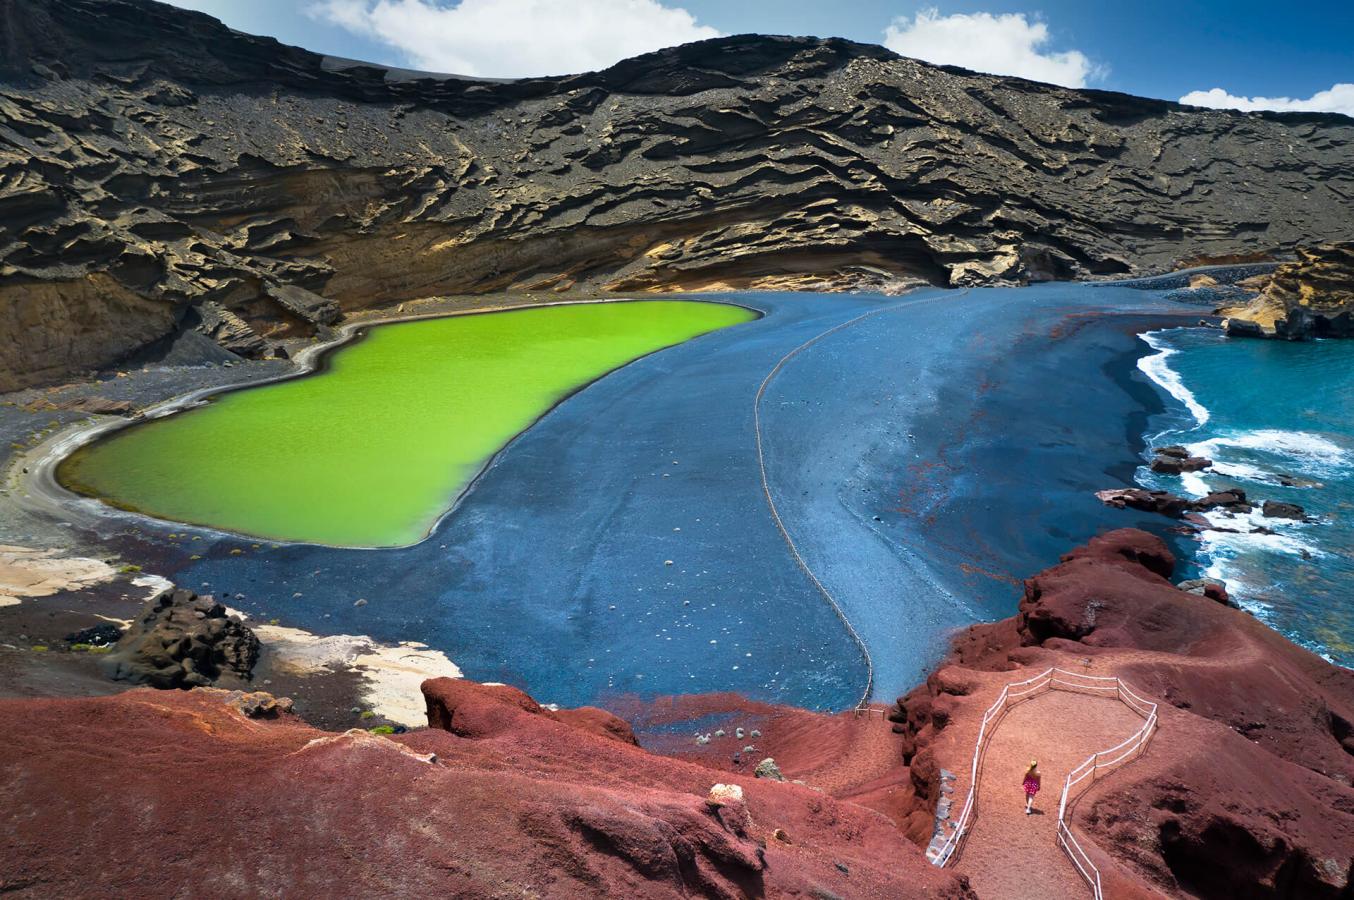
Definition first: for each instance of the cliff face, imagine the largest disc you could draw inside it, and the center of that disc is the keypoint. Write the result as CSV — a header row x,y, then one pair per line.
x,y
1312,297
159,171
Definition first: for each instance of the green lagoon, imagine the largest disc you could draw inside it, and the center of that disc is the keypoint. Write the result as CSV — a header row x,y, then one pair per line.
x,y
375,448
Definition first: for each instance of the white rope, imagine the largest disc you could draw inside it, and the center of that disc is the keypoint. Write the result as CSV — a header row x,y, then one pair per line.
x,y
775,513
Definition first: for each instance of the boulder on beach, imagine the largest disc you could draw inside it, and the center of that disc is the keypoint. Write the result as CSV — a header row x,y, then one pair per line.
x,y
182,640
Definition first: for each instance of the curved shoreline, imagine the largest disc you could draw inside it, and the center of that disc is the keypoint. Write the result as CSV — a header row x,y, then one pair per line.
x,y
33,473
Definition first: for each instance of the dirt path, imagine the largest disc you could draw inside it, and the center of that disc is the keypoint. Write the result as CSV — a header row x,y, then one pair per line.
x,y
1012,856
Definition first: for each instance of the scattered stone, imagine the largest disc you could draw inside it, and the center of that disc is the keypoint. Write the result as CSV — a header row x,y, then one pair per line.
x,y
768,769
1233,500
780,835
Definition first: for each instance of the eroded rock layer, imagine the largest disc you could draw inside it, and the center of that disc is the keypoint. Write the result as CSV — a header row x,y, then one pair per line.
x,y
160,172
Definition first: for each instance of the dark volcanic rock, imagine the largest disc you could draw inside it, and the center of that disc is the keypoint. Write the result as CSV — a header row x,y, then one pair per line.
x,y
154,161
1150,501
1276,509
1233,499
183,641
1312,297
1177,460
96,635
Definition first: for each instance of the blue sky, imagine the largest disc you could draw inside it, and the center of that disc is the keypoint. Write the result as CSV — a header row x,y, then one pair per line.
x,y
1302,51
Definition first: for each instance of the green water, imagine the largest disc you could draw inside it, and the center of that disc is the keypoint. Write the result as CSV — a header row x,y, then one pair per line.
x,y
374,449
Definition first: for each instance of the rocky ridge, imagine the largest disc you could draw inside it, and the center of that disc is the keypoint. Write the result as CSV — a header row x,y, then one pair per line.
x,y
1311,297
160,173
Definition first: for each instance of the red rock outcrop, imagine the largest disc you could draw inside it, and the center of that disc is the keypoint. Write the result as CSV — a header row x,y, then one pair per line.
x,y
475,710
1245,791
153,793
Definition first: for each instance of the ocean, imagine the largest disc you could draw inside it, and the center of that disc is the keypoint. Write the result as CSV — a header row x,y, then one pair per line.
x,y
1277,419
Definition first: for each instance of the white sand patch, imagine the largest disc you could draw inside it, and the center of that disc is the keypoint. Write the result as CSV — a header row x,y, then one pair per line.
x,y
391,674
27,572
156,583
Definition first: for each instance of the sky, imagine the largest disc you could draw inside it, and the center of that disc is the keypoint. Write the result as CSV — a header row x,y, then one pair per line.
x,y
1227,53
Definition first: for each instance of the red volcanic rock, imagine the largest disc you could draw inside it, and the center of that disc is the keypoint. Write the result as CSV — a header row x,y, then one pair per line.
x,y
475,710
1245,790
510,802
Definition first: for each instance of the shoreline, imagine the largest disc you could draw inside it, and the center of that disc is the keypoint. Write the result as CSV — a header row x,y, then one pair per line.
x,y
242,573
1255,555
31,475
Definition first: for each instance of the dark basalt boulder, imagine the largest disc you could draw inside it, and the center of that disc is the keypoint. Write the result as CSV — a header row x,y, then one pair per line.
x,y
1277,509
182,640
1233,500
1177,460
1162,502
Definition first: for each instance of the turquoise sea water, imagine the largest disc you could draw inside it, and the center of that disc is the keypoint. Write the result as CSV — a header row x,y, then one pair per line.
x,y
1268,412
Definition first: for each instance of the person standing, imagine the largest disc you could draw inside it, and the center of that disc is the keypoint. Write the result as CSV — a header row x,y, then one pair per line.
x,y
1031,785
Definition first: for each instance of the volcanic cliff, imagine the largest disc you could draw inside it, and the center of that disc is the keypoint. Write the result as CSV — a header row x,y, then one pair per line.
x,y
160,172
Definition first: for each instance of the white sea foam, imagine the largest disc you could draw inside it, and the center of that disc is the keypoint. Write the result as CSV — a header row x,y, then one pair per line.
x,y
1158,369
1193,484
1302,448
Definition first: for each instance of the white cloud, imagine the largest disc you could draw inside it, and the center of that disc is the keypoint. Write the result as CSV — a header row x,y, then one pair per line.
x,y
1338,99
515,38
1007,44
